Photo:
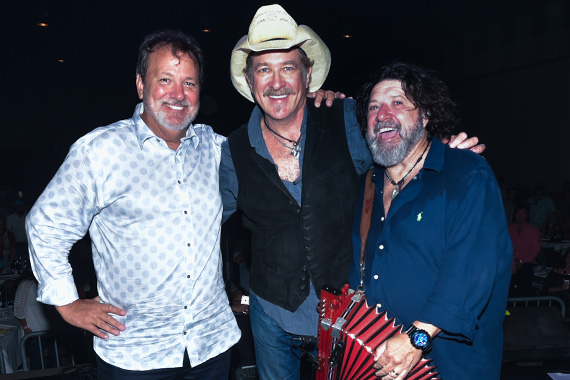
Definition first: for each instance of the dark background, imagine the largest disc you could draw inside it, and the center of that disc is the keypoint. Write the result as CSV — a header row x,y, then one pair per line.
x,y
506,62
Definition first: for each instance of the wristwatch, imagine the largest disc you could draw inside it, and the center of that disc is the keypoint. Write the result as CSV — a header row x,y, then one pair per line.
x,y
420,339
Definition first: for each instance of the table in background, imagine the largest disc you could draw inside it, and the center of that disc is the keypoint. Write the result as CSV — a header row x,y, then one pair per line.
x,y
10,341
559,245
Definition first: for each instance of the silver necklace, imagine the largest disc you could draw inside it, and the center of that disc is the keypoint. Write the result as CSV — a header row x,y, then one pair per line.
x,y
396,190
295,149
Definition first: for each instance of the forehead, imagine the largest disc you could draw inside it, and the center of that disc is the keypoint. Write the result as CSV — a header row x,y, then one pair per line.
x,y
163,57
390,87
276,56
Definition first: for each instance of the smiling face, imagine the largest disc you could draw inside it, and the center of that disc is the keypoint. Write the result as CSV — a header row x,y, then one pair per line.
x,y
395,125
279,83
170,91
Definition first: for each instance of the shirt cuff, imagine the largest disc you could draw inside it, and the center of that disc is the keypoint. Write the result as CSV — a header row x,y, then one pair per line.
x,y
454,322
58,292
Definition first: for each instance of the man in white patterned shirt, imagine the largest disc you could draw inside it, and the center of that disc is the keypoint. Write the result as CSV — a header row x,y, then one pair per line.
x,y
146,189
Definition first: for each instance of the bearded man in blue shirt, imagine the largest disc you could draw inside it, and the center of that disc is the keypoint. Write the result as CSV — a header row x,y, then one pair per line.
x,y
437,254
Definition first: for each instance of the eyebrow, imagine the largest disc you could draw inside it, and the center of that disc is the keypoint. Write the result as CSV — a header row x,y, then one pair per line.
x,y
286,63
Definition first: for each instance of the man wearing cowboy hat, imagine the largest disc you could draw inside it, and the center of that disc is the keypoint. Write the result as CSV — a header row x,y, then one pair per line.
x,y
292,170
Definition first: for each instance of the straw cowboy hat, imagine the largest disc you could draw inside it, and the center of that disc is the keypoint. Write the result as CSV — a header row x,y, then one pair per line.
x,y
273,29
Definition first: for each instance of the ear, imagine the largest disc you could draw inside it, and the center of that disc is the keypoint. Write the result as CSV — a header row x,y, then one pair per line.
x,y
140,86
309,72
425,118
249,83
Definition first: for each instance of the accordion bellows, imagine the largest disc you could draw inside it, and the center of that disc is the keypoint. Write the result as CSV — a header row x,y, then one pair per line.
x,y
349,333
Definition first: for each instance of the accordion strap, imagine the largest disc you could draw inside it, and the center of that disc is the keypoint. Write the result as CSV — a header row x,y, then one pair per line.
x,y
369,189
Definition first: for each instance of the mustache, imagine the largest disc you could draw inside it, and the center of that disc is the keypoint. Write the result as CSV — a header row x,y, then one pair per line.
x,y
179,103
280,92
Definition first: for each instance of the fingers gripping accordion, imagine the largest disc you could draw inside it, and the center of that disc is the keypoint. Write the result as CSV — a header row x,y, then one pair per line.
x,y
349,333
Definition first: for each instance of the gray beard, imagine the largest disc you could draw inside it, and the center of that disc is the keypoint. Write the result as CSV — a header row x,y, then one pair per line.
x,y
390,156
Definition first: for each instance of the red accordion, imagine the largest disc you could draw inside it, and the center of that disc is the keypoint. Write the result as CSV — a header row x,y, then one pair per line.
x,y
349,333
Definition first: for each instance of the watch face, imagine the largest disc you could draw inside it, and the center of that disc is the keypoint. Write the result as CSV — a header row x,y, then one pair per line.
x,y
420,339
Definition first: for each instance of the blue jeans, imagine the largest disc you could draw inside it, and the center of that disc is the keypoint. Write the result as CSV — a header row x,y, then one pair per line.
x,y
217,368
276,355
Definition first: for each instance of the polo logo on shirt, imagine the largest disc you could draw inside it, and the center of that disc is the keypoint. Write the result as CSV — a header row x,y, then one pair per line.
x,y
420,216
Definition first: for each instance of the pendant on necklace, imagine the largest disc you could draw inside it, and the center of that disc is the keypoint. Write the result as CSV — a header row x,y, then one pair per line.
x,y
396,191
296,150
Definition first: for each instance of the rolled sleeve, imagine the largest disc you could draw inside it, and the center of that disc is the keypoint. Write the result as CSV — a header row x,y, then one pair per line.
x,y
60,217
359,152
228,182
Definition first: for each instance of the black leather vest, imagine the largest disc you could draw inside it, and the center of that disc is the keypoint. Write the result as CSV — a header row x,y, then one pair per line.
x,y
293,244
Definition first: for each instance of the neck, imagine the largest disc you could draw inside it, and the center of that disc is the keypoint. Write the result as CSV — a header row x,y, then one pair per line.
x,y
289,126
399,170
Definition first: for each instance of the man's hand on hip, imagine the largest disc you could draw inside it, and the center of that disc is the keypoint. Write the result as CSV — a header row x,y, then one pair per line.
x,y
93,316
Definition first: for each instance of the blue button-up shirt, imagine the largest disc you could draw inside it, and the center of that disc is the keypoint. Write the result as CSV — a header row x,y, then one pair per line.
x,y
443,256
154,218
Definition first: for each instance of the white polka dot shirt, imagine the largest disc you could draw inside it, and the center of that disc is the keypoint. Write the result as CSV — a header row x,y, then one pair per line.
x,y
154,217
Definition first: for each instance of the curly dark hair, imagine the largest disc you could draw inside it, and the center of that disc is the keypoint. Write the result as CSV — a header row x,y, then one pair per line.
x,y
179,43
423,89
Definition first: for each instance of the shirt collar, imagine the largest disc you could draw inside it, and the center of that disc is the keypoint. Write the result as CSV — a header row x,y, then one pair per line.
x,y
144,133
435,158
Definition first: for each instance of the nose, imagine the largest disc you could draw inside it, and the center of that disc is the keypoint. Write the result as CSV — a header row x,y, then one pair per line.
x,y
177,92
276,81
382,112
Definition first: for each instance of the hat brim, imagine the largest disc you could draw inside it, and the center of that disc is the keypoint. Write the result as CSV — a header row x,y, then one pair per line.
x,y
305,38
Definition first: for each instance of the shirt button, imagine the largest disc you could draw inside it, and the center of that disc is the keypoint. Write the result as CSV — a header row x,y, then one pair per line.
x,y
302,286
415,177
185,332
185,212
188,244
381,246
179,182
376,277
306,228
307,248
188,276
382,218
185,307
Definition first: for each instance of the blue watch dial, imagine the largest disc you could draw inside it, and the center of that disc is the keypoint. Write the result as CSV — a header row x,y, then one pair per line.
x,y
420,339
